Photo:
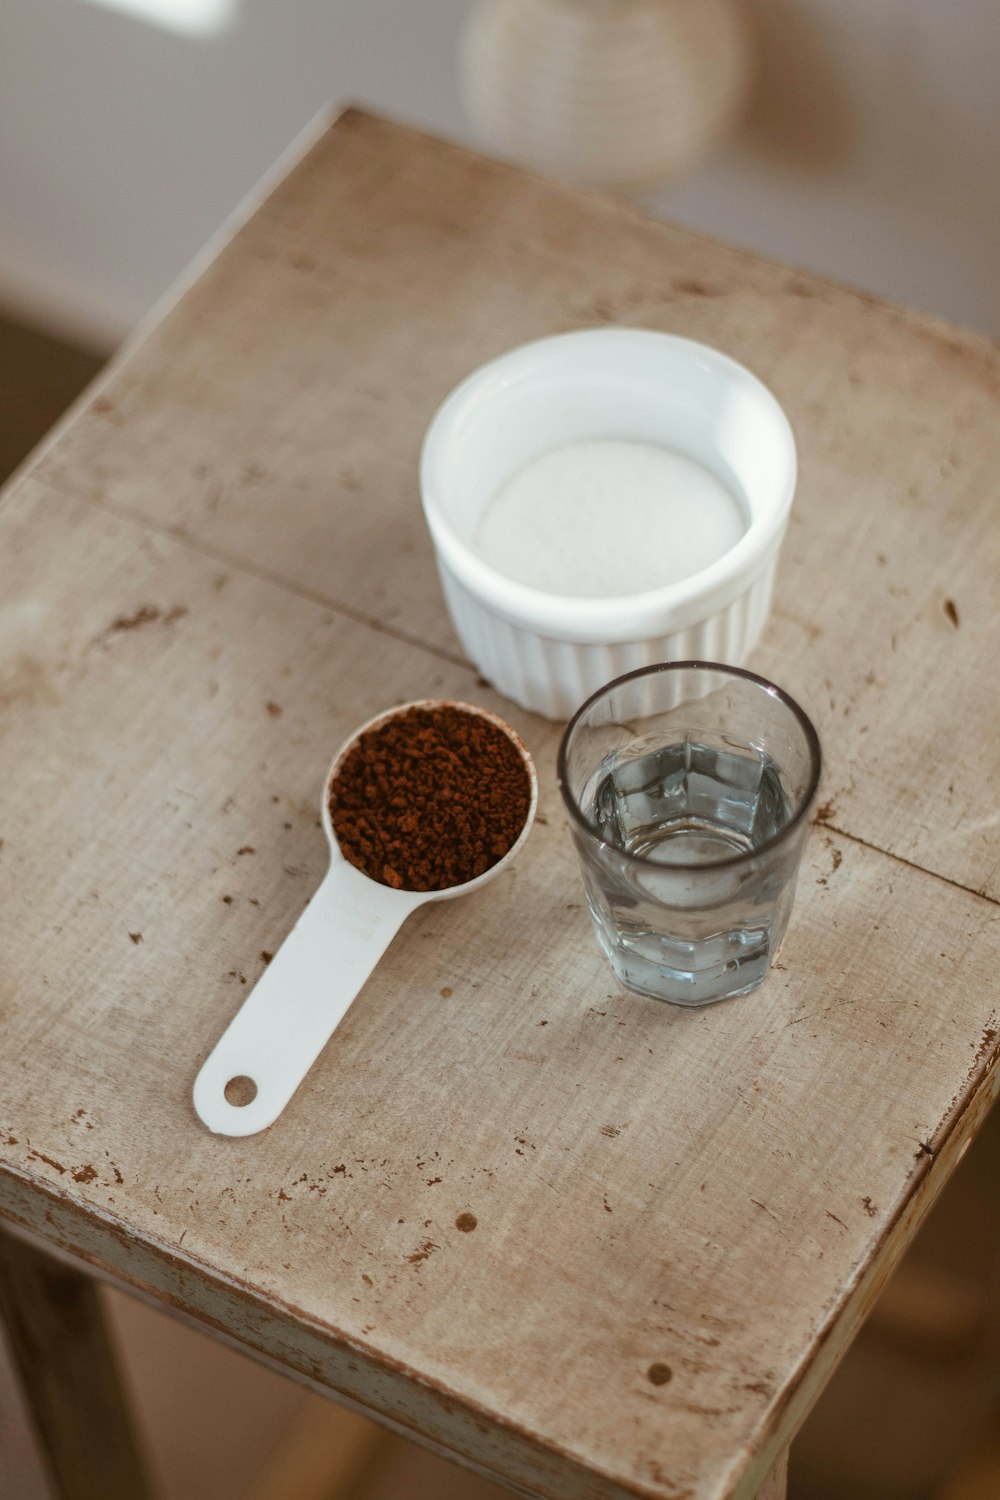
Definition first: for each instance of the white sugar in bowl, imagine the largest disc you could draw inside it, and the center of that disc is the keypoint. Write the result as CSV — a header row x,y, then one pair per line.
x,y
564,440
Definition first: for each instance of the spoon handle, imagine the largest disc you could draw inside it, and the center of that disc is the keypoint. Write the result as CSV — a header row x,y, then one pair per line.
x,y
299,1000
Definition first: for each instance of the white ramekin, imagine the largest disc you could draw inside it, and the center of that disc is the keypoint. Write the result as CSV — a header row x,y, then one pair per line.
x,y
546,652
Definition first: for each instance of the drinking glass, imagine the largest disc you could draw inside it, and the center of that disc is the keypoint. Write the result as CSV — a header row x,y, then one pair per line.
x,y
689,787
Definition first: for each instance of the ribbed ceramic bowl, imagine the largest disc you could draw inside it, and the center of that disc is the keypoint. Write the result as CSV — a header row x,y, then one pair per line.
x,y
548,652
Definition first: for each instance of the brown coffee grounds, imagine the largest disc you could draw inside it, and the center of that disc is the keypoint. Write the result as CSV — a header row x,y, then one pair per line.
x,y
430,799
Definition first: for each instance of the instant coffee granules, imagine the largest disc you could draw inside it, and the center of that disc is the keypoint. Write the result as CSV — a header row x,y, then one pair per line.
x,y
430,799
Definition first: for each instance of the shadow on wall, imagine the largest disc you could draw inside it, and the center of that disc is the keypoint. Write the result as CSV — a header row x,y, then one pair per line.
x,y
799,111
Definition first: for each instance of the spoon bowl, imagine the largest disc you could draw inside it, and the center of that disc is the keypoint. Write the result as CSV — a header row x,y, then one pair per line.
x,y
309,985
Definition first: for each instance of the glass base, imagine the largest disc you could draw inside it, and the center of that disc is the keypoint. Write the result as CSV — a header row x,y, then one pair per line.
x,y
718,969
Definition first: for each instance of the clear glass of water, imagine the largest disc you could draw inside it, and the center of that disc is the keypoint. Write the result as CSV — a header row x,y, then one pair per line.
x,y
689,787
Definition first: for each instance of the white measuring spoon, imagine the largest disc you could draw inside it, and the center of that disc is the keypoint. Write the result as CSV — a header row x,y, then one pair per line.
x,y
307,989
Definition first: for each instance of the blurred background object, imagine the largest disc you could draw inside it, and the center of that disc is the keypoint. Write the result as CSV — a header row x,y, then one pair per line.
x,y
866,149
39,376
604,93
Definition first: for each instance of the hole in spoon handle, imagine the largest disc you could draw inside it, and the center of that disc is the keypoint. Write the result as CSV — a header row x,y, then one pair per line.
x,y
299,1000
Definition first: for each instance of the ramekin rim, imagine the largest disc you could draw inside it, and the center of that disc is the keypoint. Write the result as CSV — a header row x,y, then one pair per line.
x,y
616,618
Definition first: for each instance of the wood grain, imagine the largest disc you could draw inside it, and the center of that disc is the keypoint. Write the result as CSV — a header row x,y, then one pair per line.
x,y
276,416
775,1486
680,1218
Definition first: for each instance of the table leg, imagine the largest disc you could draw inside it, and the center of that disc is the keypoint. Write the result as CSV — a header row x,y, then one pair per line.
x,y
775,1486
64,1359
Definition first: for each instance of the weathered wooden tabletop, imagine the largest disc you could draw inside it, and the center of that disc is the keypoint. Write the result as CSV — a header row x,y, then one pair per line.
x,y
215,571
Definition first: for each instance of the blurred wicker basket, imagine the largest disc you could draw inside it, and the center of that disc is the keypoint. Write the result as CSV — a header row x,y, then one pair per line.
x,y
607,93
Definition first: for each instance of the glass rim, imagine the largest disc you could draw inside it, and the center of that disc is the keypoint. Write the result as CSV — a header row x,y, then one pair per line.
x,y
744,857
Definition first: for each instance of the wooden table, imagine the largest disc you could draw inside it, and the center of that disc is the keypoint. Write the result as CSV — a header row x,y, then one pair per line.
x,y
218,568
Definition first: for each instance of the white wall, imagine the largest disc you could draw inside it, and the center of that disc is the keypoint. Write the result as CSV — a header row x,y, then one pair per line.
x,y
870,153
873,151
